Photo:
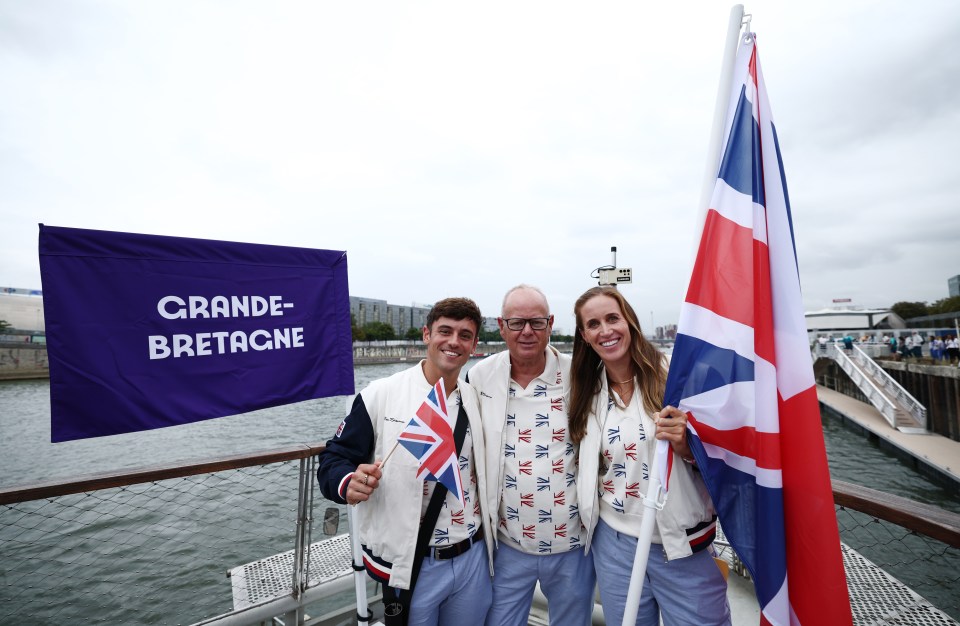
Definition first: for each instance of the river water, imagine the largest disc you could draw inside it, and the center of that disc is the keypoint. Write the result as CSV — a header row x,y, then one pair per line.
x,y
28,457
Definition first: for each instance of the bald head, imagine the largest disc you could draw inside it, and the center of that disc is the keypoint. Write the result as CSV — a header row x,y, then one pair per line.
x,y
528,295
527,346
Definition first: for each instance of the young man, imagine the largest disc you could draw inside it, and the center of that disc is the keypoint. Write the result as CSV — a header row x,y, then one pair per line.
x,y
532,467
453,585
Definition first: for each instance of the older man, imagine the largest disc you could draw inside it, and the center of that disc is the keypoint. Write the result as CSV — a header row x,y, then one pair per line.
x,y
532,469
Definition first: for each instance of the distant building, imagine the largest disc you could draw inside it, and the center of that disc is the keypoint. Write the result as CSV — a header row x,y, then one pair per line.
x,y
367,310
850,318
953,283
400,317
668,332
22,308
418,315
490,324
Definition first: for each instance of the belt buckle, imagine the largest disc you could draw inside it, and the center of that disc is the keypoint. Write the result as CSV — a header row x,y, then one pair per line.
x,y
449,552
455,550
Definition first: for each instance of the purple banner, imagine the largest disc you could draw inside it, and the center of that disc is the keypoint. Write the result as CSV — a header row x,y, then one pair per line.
x,y
146,331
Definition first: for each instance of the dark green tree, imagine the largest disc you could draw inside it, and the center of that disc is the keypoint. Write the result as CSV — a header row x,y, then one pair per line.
x,y
378,331
946,305
4,325
907,310
490,335
355,331
413,333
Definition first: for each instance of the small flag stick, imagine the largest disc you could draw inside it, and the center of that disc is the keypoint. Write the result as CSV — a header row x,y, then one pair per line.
x,y
384,461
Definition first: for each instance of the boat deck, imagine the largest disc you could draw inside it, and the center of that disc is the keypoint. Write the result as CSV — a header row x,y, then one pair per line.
x,y
933,454
876,598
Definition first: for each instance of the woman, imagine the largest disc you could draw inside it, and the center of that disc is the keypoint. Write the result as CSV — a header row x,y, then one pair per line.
x,y
618,381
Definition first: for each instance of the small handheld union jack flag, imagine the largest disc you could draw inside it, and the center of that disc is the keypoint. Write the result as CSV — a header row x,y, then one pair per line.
x,y
429,437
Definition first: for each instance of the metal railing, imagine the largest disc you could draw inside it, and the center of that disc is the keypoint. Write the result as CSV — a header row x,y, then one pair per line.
x,y
888,397
870,390
153,546
903,397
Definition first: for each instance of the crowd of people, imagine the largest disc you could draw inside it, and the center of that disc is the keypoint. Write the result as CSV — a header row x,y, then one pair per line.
x,y
553,453
941,348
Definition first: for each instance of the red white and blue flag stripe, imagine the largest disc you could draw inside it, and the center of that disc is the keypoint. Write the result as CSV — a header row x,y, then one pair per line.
x,y
429,437
741,370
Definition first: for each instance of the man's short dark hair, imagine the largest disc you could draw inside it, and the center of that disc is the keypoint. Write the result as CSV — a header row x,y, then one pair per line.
x,y
456,309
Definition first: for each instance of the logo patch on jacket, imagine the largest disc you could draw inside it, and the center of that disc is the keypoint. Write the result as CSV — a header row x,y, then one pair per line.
x,y
343,423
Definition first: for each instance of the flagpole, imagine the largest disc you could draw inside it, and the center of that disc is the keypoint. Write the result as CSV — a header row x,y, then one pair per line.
x,y
652,502
715,146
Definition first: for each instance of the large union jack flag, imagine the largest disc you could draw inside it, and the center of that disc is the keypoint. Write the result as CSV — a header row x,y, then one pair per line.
x,y
429,437
741,369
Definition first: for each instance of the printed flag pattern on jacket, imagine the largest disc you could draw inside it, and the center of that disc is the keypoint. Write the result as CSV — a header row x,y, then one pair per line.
x,y
741,370
429,437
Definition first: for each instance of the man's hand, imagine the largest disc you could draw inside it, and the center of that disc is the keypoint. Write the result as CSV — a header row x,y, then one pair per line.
x,y
365,479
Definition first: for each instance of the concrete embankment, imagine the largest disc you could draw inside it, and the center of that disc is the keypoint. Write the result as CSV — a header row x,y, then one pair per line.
x,y
367,352
20,361
28,360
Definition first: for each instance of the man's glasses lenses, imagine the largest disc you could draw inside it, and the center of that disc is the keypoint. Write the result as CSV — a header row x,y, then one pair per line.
x,y
536,323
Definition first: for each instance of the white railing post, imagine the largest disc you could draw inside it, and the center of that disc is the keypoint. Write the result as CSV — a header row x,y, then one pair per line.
x,y
301,543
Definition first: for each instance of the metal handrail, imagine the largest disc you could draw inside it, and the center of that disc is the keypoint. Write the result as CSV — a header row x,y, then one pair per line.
x,y
123,478
922,518
883,404
916,409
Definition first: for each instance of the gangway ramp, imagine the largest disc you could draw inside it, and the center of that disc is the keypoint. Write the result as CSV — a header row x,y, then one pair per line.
x,y
898,407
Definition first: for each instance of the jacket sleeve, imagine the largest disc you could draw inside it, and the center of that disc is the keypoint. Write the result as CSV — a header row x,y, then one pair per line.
x,y
352,444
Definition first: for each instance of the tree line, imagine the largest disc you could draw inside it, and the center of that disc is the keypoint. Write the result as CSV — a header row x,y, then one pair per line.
x,y
909,310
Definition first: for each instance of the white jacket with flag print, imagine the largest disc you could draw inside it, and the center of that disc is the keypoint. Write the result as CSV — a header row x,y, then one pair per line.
x,y
390,519
688,517
491,379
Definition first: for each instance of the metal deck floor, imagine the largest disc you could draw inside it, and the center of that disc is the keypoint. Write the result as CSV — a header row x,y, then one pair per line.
x,y
876,598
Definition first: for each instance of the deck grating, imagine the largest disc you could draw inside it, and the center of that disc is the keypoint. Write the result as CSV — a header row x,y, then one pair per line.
x,y
876,597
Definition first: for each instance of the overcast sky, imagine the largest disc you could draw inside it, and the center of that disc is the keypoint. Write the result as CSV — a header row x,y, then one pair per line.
x,y
459,149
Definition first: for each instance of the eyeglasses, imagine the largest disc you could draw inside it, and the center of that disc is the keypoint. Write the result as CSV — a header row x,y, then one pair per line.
x,y
536,323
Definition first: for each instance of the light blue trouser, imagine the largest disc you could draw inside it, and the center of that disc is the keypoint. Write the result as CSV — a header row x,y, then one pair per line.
x,y
454,591
566,579
685,591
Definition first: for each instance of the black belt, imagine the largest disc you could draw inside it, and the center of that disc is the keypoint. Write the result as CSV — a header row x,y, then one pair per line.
x,y
449,552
